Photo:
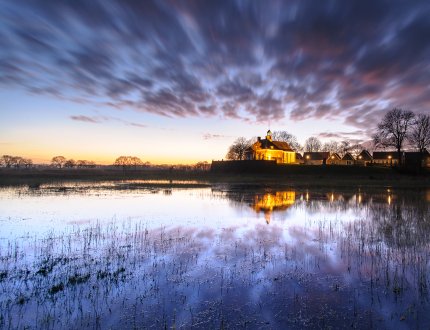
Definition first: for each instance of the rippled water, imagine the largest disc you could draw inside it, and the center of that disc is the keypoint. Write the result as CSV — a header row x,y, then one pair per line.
x,y
138,254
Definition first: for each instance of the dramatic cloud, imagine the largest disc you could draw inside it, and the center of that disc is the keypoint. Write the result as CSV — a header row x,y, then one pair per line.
x,y
245,60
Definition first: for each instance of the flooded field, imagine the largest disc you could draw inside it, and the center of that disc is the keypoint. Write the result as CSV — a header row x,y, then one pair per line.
x,y
146,255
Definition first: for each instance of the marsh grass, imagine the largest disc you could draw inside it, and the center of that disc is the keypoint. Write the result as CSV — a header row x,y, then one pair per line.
x,y
369,272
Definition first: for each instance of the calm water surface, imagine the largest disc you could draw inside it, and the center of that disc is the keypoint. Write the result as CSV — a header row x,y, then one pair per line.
x,y
134,254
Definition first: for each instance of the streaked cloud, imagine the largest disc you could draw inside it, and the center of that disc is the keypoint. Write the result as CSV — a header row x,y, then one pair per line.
x,y
101,119
251,61
86,119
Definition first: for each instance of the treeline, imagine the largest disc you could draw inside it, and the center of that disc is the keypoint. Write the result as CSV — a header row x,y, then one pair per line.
x,y
15,162
63,162
124,162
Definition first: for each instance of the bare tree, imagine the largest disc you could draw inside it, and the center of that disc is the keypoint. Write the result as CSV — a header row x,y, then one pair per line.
x,y
420,135
15,161
7,160
85,163
70,163
237,150
202,166
27,162
393,129
312,144
58,161
128,161
355,149
19,162
284,136
332,146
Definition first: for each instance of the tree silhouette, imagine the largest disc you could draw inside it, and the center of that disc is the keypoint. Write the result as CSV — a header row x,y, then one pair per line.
x,y
70,163
128,161
58,161
420,135
237,150
393,129
7,160
15,161
332,147
284,136
312,144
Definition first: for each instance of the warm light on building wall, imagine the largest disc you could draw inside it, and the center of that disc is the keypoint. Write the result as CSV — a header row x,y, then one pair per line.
x,y
307,156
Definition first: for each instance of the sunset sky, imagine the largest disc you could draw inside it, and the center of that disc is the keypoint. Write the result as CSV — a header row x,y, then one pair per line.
x,y
179,81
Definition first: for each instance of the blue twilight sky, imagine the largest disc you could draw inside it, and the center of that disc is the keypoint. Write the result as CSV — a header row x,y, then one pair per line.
x,y
178,81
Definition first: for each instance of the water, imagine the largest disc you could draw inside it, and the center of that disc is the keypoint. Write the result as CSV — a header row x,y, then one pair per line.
x,y
138,254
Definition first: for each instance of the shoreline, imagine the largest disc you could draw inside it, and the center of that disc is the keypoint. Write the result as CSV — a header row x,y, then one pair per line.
x,y
291,176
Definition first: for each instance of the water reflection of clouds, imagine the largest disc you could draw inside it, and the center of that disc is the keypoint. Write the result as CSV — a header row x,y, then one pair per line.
x,y
334,249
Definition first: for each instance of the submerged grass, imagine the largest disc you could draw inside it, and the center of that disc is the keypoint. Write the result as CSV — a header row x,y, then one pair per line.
x,y
365,272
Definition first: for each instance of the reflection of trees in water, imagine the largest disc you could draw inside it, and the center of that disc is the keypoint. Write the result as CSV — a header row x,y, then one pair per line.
x,y
403,223
189,276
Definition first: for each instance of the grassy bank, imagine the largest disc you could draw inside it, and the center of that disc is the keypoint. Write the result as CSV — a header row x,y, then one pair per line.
x,y
350,176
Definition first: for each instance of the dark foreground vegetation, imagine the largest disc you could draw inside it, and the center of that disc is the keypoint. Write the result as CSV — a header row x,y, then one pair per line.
x,y
285,175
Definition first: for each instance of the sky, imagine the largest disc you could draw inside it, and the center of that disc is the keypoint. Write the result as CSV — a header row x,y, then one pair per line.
x,y
179,81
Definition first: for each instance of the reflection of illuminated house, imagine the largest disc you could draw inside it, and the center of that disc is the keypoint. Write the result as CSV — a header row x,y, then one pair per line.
x,y
332,197
281,200
267,149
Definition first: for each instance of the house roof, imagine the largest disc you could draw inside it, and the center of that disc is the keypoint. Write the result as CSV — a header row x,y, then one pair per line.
x,y
316,155
348,156
277,145
365,155
334,155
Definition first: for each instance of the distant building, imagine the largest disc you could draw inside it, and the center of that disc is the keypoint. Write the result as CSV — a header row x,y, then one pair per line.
x,y
417,159
316,158
267,149
364,158
347,159
386,158
299,158
334,159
